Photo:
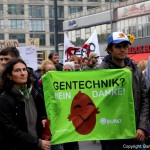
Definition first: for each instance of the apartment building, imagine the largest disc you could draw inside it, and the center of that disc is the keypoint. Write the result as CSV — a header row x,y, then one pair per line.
x,y
24,19
131,17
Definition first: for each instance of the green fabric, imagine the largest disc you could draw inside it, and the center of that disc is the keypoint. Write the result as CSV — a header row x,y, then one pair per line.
x,y
89,105
25,91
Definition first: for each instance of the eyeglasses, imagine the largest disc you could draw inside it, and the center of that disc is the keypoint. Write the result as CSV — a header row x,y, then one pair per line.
x,y
119,46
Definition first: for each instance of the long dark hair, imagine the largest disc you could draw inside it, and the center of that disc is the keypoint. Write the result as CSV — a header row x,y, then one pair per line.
x,y
7,84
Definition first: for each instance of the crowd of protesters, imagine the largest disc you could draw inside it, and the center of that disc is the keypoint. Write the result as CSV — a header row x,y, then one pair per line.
x,y
23,119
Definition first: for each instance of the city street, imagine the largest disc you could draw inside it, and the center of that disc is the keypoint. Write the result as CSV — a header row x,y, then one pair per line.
x,y
89,145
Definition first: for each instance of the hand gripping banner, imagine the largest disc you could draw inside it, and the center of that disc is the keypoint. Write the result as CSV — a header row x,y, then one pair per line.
x,y
89,105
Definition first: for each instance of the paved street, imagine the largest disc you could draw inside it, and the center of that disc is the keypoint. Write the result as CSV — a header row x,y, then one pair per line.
x,y
89,145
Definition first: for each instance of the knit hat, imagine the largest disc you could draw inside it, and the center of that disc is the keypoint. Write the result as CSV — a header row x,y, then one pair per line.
x,y
71,64
117,37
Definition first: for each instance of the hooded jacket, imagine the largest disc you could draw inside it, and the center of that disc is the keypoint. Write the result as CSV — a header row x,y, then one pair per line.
x,y
141,101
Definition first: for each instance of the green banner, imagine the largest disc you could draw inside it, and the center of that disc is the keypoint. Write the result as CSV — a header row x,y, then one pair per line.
x,y
89,105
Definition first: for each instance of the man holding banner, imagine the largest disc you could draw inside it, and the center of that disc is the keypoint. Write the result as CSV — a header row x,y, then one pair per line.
x,y
117,49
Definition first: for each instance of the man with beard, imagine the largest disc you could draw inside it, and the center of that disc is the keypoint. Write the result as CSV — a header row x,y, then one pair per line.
x,y
92,62
55,59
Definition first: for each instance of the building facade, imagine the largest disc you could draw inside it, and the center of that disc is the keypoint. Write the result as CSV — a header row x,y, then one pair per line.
x,y
25,19
131,17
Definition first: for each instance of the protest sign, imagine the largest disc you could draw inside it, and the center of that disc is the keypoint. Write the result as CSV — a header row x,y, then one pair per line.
x,y
29,55
89,105
8,43
33,41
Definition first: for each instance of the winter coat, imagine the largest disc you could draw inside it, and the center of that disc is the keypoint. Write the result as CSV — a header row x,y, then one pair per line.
x,y
140,94
13,122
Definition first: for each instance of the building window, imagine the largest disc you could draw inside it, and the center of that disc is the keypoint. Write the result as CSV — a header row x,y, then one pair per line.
x,y
76,0
140,31
1,9
59,23
58,0
94,0
60,11
19,37
75,9
14,9
148,29
1,36
36,11
41,56
52,39
148,18
115,0
41,37
87,32
16,24
60,39
37,25
91,7
1,24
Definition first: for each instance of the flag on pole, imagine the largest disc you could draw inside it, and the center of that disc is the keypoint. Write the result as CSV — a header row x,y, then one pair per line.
x,y
69,48
91,45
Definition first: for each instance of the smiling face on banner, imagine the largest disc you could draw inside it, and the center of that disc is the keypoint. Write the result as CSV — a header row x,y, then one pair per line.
x,y
83,113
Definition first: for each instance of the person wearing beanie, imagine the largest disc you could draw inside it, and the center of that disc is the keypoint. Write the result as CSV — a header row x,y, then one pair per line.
x,y
69,66
117,50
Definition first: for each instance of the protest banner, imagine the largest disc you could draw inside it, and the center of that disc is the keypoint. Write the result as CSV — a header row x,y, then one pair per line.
x,y
29,55
89,105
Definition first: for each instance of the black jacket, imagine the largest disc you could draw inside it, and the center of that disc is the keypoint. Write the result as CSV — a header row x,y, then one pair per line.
x,y
140,92
13,123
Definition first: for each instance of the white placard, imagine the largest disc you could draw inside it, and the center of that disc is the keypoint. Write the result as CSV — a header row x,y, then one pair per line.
x,y
29,55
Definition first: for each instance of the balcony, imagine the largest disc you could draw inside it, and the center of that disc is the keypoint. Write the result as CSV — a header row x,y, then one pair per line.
x,y
35,1
103,7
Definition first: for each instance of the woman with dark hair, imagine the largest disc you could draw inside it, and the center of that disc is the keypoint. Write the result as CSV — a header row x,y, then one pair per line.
x,y
20,125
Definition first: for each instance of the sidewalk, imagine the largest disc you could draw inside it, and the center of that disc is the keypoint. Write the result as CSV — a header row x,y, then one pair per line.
x,y
89,145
